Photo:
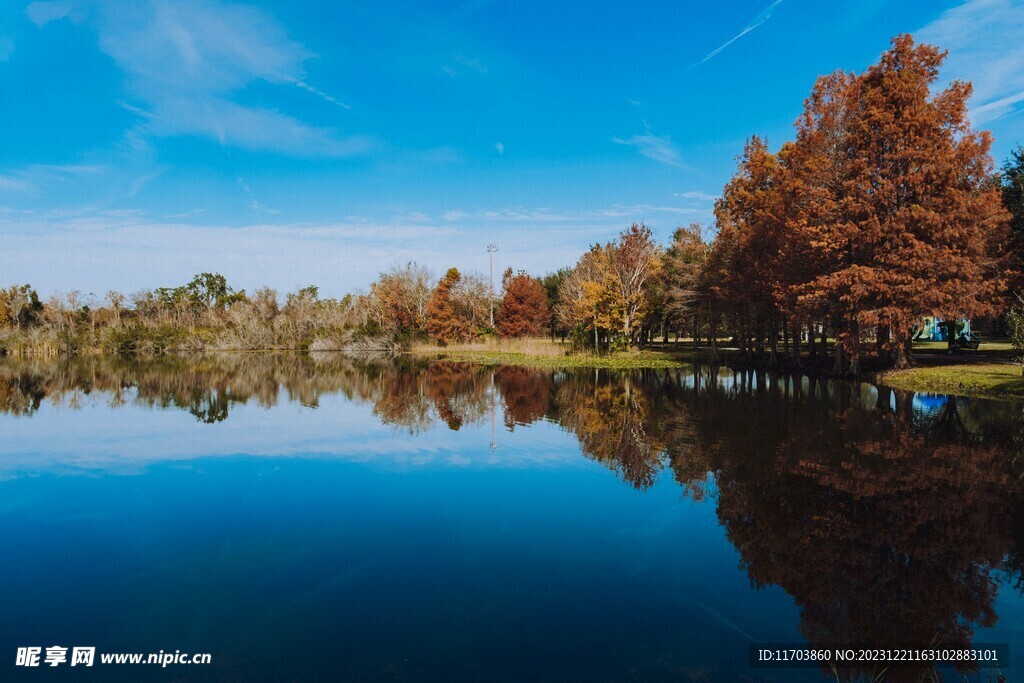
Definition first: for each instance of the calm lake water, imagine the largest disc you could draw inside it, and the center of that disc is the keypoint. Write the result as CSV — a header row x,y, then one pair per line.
x,y
313,519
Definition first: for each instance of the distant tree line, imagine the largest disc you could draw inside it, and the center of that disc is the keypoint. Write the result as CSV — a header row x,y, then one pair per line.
x,y
885,207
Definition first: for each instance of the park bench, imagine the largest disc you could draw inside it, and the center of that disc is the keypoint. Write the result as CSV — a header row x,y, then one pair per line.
x,y
968,343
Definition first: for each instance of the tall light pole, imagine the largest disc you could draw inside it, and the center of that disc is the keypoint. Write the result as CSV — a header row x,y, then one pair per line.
x,y
491,248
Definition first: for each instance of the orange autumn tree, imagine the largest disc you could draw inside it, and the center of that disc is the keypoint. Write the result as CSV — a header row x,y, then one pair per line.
x,y
399,298
812,186
683,261
444,320
885,208
751,230
913,225
524,307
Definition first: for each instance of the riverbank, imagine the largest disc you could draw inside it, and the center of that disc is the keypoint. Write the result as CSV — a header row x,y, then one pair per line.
x,y
1002,381
631,360
987,373
546,353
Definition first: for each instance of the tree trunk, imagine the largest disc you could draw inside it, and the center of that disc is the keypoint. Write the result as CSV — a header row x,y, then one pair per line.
x,y
901,362
795,359
837,366
855,348
714,341
882,335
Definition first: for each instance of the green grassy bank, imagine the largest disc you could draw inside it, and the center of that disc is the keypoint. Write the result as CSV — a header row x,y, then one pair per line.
x,y
988,380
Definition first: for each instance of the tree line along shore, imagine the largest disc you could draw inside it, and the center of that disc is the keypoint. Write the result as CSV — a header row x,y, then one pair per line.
x,y
825,255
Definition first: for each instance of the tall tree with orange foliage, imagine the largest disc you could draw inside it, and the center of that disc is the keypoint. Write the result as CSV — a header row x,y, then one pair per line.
x,y
920,227
814,167
682,264
524,307
444,321
750,216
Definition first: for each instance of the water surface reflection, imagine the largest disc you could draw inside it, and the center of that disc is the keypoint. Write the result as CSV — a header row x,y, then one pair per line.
x,y
889,518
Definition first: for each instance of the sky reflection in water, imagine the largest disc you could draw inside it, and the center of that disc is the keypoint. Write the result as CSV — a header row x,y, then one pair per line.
x,y
302,517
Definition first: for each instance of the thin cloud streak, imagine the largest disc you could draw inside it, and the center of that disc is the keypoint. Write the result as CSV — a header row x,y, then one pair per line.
x,y
985,48
762,16
697,196
660,148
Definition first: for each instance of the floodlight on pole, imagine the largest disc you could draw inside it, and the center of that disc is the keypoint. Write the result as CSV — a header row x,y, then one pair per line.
x,y
491,248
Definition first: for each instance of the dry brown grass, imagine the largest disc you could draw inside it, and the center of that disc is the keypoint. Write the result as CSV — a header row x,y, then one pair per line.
x,y
544,353
529,346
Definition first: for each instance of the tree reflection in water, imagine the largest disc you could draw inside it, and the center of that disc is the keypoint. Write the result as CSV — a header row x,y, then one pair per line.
x,y
887,516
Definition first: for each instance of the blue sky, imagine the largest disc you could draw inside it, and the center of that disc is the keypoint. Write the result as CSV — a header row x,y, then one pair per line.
x,y
294,143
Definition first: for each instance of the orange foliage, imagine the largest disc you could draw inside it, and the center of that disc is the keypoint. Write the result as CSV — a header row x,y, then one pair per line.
x,y
524,308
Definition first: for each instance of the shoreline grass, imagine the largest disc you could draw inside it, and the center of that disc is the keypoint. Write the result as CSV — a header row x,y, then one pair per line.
x,y
1001,381
619,361
988,374
982,375
545,353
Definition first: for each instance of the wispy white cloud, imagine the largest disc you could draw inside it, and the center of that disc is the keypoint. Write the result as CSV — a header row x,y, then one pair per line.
x,y
42,13
186,60
254,203
453,215
696,196
34,177
500,147
13,184
6,48
97,250
67,170
660,148
985,47
762,16
581,219
460,64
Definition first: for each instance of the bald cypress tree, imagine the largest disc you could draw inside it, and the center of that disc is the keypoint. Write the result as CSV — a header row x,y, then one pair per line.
x,y
907,215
